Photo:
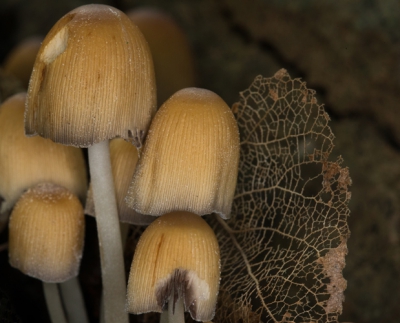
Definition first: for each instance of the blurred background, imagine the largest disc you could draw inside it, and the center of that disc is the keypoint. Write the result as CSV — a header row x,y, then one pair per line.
x,y
348,52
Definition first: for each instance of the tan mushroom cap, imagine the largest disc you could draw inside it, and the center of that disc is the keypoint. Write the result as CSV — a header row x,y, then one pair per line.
x,y
178,251
93,80
25,162
46,232
124,157
190,158
172,56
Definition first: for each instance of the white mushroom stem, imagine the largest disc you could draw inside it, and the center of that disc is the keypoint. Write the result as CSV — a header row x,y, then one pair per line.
x,y
112,263
71,294
164,317
53,301
176,311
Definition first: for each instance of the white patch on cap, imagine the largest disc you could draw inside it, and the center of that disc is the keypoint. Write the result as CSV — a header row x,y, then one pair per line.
x,y
56,46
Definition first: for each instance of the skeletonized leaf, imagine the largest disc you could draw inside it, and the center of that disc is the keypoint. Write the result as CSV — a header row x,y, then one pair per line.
x,y
283,251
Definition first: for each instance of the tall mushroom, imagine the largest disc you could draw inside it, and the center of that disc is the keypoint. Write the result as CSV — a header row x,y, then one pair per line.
x,y
93,80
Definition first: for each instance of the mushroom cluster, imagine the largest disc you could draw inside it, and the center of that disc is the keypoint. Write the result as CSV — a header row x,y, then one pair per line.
x,y
93,86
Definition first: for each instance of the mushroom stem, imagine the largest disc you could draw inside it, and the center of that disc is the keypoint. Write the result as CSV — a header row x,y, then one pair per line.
x,y
176,310
112,263
164,317
53,302
73,301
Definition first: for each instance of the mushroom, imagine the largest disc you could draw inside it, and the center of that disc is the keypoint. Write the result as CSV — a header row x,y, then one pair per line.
x,y
19,62
93,80
190,159
46,232
124,157
26,162
177,262
172,56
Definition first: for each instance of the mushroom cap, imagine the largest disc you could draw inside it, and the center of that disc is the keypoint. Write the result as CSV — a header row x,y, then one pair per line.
x,y
178,251
93,80
190,159
20,60
124,157
172,56
46,232
25,162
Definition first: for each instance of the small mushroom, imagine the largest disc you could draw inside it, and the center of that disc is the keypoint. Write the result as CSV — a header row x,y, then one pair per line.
x,y
190,159
176,262
46,232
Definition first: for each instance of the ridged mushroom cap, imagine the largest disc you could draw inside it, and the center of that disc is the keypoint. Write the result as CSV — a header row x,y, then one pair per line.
x,y
25,162
93,80
124,157
178,251
172,56
190,159
46,232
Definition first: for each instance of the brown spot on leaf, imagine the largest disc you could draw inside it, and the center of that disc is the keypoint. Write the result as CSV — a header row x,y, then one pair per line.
x,y
333,263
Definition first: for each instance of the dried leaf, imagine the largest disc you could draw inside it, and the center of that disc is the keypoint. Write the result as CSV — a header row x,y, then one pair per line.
x,y
283,250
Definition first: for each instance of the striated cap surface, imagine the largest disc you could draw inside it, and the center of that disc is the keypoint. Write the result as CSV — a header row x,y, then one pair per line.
x,y
26,161
46,232
190,159
93,80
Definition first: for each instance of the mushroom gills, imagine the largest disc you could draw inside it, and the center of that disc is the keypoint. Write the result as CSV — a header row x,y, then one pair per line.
x,y
186,285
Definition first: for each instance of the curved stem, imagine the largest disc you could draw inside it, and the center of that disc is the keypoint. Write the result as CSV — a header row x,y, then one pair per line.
x,y
53,301
112,262
73,301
